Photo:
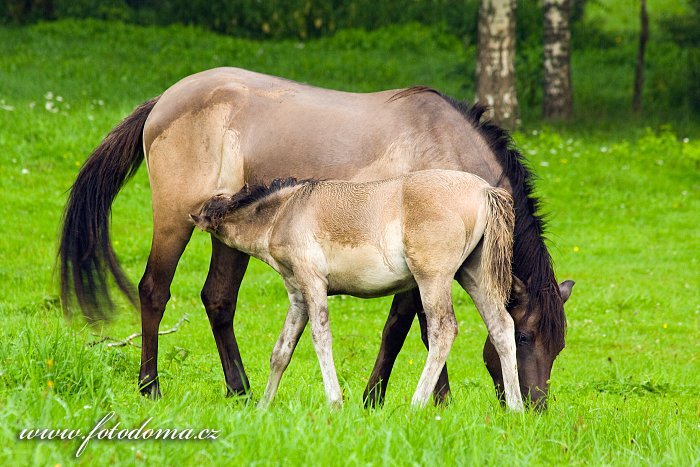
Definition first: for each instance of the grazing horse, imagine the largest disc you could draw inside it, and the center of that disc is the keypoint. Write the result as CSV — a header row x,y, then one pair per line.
x,y
211,132
373,239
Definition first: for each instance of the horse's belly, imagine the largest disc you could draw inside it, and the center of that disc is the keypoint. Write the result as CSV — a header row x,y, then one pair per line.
x,y
365,271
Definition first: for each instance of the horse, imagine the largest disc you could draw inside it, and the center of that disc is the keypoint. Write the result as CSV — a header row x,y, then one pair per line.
x,y
373,239
212,131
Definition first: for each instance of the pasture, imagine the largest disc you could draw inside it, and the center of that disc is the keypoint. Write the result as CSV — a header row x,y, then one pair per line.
x,y
623,204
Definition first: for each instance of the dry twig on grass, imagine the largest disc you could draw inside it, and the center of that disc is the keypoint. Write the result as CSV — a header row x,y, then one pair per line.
x,y
128,341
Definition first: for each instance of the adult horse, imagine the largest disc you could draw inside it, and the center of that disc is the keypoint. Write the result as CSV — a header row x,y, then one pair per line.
x,y
211,132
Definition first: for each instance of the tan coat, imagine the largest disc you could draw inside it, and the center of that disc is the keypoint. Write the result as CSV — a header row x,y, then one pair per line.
x,y
378,238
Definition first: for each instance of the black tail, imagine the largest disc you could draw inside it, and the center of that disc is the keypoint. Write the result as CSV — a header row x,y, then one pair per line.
x,y
85,252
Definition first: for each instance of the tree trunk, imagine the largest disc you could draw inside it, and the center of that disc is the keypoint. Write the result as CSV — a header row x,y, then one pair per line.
x,y
557,101
639,71
495,70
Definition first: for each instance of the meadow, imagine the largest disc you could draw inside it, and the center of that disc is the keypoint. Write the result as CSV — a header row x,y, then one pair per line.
x,y
622,198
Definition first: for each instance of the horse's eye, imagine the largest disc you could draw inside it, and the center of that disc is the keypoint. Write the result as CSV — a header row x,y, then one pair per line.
x,y
522,339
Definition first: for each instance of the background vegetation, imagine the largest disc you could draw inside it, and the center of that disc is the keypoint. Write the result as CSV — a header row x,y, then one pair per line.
x,y
602,31
623,196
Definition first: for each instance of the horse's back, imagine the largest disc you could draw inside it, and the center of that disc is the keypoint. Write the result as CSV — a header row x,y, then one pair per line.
x,y
211,131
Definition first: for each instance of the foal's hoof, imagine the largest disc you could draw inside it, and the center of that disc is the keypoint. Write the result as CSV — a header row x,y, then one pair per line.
x,y
516,407
336,404
151,390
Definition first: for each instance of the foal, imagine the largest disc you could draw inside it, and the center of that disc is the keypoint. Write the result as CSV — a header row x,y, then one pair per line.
x,y
373,239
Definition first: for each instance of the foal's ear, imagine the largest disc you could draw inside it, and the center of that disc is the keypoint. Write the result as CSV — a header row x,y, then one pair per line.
x,y
203,221
565,290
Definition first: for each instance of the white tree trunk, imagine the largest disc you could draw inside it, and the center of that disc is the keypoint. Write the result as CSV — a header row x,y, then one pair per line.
x,y
495,69
557,102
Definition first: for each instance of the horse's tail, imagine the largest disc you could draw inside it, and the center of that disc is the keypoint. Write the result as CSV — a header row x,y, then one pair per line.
x,y
497,251
85,251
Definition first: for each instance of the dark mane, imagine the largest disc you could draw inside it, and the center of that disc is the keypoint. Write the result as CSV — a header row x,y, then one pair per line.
x,y
531,261
257,191
217,207
411,91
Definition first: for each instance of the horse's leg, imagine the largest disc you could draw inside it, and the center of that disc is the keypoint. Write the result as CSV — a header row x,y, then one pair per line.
x,y
154,292
219,296
316,300
501,331
441,393
442,330
294,325
403,309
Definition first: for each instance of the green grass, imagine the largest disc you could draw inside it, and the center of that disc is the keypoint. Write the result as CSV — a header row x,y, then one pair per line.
x,y
623,204
623,15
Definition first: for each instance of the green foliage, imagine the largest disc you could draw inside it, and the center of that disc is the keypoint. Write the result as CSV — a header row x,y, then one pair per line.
x,y
684,31
249,18
623,207
302,19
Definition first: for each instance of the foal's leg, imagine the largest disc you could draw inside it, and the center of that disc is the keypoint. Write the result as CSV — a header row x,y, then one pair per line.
x,y
154,292
441,393
316,300
501,331
403,309
294,325
442,330
219,296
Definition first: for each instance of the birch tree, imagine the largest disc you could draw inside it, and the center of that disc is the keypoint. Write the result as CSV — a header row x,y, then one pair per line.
x,y
495,69
557,100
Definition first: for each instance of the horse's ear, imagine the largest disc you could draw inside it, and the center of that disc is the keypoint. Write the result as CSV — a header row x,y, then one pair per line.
x,y
519,289
203,221
565,290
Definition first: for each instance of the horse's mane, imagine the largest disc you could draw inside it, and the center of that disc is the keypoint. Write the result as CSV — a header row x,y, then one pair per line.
x,y
217,207
411,91
531,261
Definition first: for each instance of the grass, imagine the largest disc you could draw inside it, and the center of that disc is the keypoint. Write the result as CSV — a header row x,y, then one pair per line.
x,y
623,15
623,204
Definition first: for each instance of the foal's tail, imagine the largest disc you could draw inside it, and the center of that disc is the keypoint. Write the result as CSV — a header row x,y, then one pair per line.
x,y
85,251
497,252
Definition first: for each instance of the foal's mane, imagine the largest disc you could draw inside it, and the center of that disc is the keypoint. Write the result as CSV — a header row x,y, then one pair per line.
x,y
257,191
531,261
217,207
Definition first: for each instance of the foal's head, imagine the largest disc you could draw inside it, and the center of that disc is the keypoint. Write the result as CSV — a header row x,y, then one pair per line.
x,y
215,213
538,339
228,217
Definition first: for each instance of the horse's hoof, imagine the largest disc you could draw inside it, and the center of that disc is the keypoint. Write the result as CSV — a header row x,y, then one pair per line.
x,y
237,392
373,398
442,400
241,396
443,397
151,390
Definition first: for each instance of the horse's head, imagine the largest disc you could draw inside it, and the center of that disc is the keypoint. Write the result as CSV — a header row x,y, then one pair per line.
x,y
537,346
